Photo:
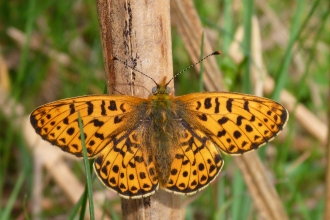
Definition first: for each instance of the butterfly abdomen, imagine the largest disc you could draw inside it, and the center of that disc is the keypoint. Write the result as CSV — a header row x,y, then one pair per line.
x,y
162,136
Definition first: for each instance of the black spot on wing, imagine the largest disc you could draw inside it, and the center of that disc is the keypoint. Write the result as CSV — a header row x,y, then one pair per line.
x,y
221,133
174,172
99,136
202,117
239,120
246,105
237,134
198,105
72,108
97,123
223,120
66,121
207,103
117,119
112,106
248,128
122,107
217,106
70,131
90,108
229,104
103,111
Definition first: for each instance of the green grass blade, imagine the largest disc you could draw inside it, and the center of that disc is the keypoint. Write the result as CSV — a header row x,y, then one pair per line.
x,y
24,55
238,192
282,73
228,25
313,51
83,204
78,204
26,215
222,202
5,155
13,196
247,23
87,169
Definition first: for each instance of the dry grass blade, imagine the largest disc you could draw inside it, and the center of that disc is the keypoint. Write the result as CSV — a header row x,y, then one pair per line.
x,y
186,21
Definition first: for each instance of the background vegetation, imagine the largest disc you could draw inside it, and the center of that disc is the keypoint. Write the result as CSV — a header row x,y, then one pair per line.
x,y
51,50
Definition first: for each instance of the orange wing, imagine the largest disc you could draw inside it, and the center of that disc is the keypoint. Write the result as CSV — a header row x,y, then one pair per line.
x,y
237,123
103,117
109,124
197,162
122,167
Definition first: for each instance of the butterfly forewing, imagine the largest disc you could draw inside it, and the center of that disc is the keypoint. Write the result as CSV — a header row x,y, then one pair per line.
x,y
237,123
102,117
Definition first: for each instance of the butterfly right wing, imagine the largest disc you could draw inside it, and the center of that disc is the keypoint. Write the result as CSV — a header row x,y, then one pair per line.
x,y
237,123
102,116
196,164
109,124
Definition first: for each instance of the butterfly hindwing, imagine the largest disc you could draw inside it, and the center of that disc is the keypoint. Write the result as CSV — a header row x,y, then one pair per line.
x,y
237,123
123,168
197,162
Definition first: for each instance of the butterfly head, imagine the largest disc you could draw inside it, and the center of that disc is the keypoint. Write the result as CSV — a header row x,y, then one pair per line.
x,y
161,88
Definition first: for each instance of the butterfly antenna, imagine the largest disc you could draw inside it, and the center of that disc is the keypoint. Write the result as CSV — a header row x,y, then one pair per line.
x,y
192,65
125,63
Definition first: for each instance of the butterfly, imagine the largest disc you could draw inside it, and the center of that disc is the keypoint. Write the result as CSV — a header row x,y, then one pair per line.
x,y
141,144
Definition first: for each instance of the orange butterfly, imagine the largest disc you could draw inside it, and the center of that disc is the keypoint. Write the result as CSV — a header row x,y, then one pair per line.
x,y
175,142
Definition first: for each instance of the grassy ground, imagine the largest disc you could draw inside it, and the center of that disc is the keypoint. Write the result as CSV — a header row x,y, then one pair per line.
x,y
64,59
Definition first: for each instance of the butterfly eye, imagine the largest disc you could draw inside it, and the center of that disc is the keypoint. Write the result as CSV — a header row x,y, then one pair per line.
x,y
154,89
168,89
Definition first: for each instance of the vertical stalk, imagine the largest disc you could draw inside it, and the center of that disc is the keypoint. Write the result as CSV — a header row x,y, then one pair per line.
x,y
139,33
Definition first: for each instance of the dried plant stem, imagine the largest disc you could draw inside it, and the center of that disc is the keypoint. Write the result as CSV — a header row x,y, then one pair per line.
x,y
139,33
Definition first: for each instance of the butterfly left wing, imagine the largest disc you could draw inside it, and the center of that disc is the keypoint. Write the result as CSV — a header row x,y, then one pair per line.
x,y
197,163
122,167
237,123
